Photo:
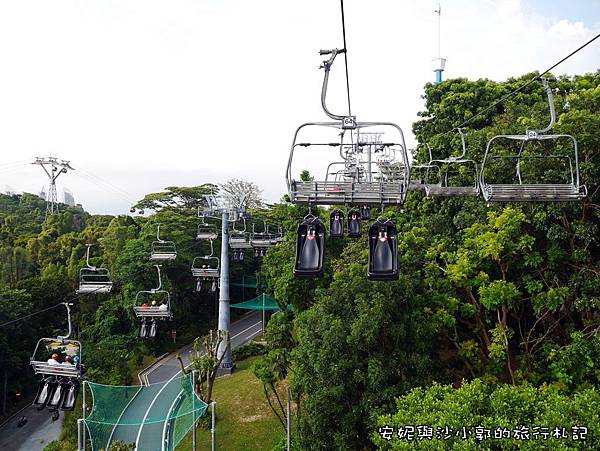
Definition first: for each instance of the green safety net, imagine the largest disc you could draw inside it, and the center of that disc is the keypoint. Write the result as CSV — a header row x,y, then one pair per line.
x,y
261,302
246,282
150,416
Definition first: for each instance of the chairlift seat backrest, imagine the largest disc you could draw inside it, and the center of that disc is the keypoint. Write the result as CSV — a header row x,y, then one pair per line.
x,y
163,251
96,281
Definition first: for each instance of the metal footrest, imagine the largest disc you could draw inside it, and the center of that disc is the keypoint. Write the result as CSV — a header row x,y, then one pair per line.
x,y
335,193
94,288
163,255
452,191
205,272
151,312
65,370
533,193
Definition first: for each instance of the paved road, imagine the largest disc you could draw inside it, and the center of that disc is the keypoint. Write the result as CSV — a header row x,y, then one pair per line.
x,y
35,435
155,402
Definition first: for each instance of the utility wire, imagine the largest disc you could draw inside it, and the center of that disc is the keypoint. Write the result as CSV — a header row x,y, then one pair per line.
x,y
346,57
30,315
519,89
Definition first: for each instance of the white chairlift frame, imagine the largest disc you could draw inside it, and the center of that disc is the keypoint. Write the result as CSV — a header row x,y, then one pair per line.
x,y
366,191
44,368
239,239
534,192
417,169
162,250
151,311
93,286
261,240
442,189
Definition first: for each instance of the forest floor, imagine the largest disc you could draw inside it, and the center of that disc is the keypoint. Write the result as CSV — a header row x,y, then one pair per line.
x,y
244,419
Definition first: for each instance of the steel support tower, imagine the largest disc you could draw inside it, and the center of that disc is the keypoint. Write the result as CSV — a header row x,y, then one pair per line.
x,y
218,208
53,168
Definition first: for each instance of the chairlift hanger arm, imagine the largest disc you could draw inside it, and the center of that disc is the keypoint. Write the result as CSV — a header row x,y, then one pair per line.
x,y
550,96
327,66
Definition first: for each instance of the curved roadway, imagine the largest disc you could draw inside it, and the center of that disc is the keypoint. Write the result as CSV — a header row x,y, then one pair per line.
x,y
153,403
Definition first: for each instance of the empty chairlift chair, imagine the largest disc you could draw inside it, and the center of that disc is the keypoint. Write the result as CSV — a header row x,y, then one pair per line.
x,y
162,250
310,247
150,306
456,177
94,280
535,167
58,362
383,250
261,241
336,224
421,172
206,232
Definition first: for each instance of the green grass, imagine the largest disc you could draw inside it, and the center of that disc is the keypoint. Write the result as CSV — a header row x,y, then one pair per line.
x,y
245,421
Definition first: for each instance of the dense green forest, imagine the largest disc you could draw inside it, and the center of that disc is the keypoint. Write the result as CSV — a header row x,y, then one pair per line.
x,y
493,321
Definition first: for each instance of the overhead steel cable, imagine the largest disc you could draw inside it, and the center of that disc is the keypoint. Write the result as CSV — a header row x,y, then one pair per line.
x,y
16,320
520,88
346,57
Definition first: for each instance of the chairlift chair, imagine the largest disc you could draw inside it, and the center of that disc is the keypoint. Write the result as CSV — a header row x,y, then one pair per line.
x,y
421,172
92,279
162,311
544,167
310,247
239,239
383,250
207,271
207,232
260,241
206,267
59,385
162,250
360,182
443,183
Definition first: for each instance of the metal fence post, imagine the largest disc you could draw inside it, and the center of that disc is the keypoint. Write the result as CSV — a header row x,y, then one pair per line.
x,y
289,419
213,430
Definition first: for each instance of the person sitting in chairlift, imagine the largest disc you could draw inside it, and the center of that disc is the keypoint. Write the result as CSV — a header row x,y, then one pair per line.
x,y
163,307
68,361
54,360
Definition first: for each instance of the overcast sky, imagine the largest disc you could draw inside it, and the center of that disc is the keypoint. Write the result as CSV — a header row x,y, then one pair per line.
x,y
140,95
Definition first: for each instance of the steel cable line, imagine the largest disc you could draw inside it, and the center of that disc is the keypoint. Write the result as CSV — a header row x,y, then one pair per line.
x,y
345,56
519,89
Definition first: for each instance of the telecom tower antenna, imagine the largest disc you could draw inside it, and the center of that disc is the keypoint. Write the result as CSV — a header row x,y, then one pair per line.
x,y
53,167
439,62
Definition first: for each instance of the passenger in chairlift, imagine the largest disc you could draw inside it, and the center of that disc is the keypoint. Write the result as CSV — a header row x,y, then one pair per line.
x,y
54,360
68,361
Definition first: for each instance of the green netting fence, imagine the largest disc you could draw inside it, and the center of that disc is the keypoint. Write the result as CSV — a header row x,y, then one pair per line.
x,y
261,302
154,417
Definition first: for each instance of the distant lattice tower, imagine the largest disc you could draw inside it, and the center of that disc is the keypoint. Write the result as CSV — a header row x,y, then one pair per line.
x,y
53,169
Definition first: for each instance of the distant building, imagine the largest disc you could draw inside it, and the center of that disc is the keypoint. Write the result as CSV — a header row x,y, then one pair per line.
x,y
69,198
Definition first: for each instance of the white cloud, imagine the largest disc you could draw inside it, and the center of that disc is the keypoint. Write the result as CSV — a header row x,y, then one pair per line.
x,y
148,94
